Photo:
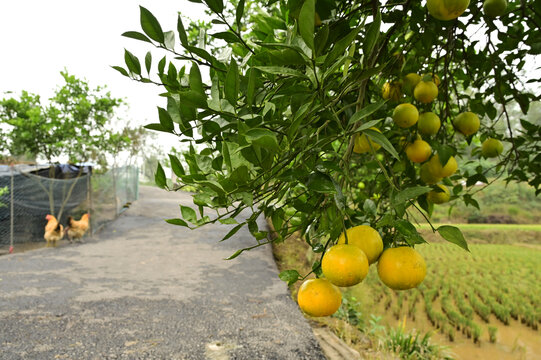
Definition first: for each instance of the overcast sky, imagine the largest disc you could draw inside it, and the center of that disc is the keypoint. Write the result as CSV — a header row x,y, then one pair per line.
x,y
41,38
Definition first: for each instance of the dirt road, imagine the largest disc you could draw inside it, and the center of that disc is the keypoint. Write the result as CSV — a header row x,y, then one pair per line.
x,y
144,289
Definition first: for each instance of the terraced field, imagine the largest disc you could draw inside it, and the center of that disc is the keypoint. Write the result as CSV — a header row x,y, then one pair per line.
x,y
487,296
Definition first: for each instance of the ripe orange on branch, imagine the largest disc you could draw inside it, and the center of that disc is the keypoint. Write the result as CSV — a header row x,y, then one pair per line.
x,y
467,123
318,297
491,148
428,124
447,9
344,265
366,238
401,268
405,115
439,197
425,92
419,151
363,142
436,169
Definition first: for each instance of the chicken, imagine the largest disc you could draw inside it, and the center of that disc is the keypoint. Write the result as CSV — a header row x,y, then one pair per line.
x,y
54,231
77,228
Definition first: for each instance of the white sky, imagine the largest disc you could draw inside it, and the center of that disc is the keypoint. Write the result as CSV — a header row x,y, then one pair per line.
x,y
40,38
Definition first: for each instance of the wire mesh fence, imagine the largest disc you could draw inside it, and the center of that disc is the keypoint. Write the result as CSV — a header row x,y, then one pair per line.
x,y
26,197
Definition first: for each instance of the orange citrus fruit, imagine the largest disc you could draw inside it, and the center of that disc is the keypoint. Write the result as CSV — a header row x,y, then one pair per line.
x,y
447,9
366,238
401,268
491,148
362,143
409,82
467,123
405,115
419,151
344,265
391,91
428,124
494,8
439,196
442,171
318,297
427,176
425,92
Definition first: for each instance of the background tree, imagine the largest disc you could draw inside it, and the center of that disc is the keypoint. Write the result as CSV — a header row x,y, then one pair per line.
x,y
277,123
75,123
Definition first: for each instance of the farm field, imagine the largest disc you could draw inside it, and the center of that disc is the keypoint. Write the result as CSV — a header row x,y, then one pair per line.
x,y
486,304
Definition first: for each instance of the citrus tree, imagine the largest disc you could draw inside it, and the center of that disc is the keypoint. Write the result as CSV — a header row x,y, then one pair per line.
x,y
330,115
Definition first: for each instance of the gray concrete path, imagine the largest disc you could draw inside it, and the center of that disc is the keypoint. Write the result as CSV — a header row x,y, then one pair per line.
x,y
144,289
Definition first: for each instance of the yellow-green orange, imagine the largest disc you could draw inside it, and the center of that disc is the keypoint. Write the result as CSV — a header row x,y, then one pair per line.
x,y
362,143
491,148
318,297
438,170
409,82
434,77
366,238
419,151
428,124
494,8
401,268
344,265
425,92
440,196
427,176
467,123
447,9
391,91
405,115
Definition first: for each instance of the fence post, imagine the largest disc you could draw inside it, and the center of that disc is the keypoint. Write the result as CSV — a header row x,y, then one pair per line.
x,y
90,204
12,213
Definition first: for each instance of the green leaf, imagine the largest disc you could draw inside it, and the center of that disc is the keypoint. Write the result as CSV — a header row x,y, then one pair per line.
x,y
411,193
279,70
232,82
227,156
148,62
228,221
369,207
151,26
372,35
165,119
215,5
227,36
250,90
340,46
320,182
159,177
176,165
306,22
239,12
156,127
188,213
179,222
453,235
366,111
409,232
182,32
132,62
289,276
193,99
382,140
262,137
121,70
196,84
235,254
169,40
137,36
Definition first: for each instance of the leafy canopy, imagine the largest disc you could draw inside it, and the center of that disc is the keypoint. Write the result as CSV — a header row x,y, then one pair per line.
x,y
272,109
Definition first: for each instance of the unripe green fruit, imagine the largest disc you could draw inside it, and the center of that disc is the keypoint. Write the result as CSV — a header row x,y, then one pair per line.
x,y
491,148
494,8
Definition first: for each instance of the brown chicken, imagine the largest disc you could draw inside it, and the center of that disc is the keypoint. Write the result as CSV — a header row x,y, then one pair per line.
x,y
77,228
54,231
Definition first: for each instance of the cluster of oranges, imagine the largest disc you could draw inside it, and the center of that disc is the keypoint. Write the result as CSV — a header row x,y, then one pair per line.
x,y
346,264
